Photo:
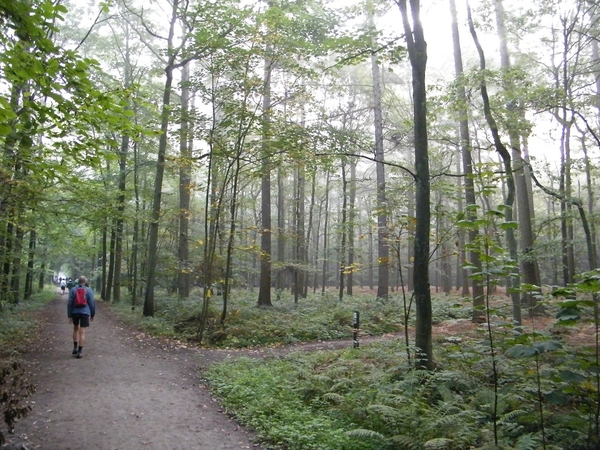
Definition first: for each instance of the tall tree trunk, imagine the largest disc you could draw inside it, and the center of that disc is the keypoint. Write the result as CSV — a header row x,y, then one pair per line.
x,y
462,275
300,257
383,249
527,260
467,165
417,52
264,292
351,226
565,188
120,219
371,256
325,236
151,260
342,253
185,185
233,207
30,265
311,226
281,278
111,265
590,197
510,184
15,279
104,259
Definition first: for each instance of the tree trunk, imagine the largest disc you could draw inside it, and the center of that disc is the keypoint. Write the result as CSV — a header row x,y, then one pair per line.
x,y
104,259
264,293
30,265
351,226
342,252
311,210
185,185
325,236
528,262
15,279
590,197
151,260
281,278
119,221
467,165
417,52
383,249
301,255
510,184
111,265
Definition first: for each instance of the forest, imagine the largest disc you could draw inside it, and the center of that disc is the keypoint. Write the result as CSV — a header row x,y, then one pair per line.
x,y
210,164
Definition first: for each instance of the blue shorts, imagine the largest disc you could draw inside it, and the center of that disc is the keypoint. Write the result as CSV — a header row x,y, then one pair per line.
x,y
81,320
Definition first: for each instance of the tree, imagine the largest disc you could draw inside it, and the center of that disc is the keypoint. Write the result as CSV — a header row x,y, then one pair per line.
x,y
529,270
185,186
508,173
467,166
383,249
417,52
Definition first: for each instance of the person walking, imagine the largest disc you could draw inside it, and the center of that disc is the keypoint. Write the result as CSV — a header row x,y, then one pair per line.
x,y
63,286
81,309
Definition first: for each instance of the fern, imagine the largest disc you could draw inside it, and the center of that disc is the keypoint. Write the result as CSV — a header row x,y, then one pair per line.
x,y
361,433
438,444
407,442
510,416
388,413
334,397
528,442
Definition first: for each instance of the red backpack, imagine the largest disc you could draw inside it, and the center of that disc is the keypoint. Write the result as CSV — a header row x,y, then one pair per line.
x,y
80,299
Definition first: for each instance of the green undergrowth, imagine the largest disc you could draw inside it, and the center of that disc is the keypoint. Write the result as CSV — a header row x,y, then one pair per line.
x,y
17,330
370,399
16,322
315,318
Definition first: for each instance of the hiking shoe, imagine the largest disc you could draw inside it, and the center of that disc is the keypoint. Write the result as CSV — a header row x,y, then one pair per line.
x,y
74,352
79,355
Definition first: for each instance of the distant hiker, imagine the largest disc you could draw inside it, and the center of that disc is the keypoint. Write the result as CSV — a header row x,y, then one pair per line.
x,y
63,286
81,309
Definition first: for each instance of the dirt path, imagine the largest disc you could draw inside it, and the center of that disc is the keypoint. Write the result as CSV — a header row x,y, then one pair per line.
x,y
129,391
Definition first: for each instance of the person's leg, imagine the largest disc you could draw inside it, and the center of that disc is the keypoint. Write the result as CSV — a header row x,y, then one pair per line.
x,y
84,323
81,337
76,329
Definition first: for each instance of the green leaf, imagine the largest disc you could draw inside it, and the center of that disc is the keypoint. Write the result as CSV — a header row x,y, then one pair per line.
x,y
569,376
568,314
509,225
495,212
5,130
547,346
557,398
522,351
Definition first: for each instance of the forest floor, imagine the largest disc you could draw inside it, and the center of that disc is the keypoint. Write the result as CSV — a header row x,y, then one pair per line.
x,y
134,391
129,391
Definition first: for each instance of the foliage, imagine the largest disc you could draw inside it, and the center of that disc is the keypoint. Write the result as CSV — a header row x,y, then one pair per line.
x,y
14,388
15,329
274,403
15,322
379,402
317,318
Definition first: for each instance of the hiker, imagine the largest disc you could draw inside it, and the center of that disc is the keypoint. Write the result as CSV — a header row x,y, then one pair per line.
x,y
63,286
81,309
